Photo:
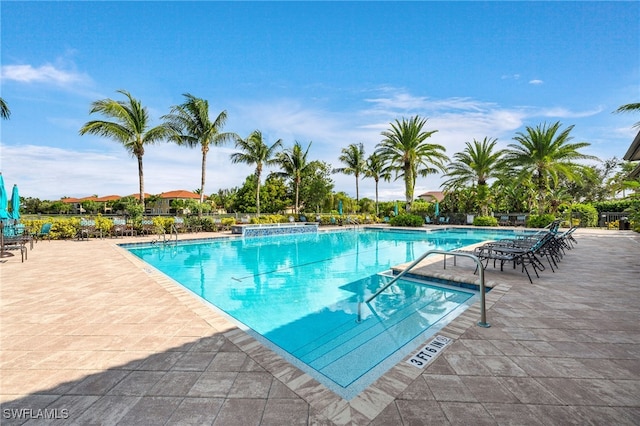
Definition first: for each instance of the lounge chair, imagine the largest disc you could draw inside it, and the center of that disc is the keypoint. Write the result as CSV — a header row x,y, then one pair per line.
x,y
520,251
520,220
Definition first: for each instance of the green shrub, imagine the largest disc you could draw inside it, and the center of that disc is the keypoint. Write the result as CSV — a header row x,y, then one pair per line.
x,y
228,221
406,220
540,220
587,213
485,221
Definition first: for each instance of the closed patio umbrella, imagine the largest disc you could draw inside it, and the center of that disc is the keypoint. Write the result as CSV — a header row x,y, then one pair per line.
x,y
15,203
395,209
4,214
437,211
340,207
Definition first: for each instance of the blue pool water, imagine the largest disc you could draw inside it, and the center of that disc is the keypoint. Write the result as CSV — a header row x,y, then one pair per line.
x,y
300,294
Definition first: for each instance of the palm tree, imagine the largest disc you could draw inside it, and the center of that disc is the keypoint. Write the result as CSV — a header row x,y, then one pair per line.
x,y
478,163
294,162
4,109
192,126
404,150
544,154
255,151
130,127
353,158
375,169
634,107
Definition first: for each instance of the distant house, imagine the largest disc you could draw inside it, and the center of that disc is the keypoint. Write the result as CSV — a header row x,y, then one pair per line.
x,y
162,206
77,203
432,196
633,154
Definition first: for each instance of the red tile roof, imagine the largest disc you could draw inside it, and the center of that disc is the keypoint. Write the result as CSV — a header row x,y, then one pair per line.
x,y
180,193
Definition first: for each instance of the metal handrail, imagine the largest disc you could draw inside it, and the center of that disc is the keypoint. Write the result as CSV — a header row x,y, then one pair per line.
x,y
483,314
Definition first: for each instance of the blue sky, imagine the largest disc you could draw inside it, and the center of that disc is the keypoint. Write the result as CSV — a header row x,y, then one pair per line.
x,y
333,73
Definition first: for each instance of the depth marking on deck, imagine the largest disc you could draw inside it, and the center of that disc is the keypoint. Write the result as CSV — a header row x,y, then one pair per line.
x,y
425,355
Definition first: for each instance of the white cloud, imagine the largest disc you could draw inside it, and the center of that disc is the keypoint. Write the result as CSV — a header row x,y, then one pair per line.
x,y
536,82
44,74
561,112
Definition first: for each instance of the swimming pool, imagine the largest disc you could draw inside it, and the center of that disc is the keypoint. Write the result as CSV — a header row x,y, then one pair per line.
x,y
299,294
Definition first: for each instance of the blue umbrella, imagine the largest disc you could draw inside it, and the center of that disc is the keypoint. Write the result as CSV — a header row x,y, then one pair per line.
x,y
340,207
437,209
15,203
4,214
395,209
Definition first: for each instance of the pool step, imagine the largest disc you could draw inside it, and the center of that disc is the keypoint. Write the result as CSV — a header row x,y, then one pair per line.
x,y
351,349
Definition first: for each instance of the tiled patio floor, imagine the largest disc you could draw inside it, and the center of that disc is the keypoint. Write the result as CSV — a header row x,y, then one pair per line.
x,y
90,335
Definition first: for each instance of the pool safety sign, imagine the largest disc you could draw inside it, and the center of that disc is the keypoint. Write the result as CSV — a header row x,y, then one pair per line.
x,y
425,355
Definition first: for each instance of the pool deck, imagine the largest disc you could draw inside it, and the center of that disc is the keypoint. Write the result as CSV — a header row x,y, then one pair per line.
x,y
91,335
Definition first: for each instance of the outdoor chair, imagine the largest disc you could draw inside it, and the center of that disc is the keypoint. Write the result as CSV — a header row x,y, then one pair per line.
x,y
178,224
520,221
44,232
10,241
148,227
565,239
119,227
303,218
427,220
523,251
504,221
88,229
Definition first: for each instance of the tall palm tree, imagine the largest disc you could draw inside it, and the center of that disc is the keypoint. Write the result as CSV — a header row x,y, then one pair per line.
x,y
634,107
353,158
294,162
376,170
193,127
405,150
478,163
130,127
253,150
544,154
4,109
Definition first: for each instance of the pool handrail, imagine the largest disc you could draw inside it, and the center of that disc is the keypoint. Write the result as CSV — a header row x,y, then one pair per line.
x,y
483,314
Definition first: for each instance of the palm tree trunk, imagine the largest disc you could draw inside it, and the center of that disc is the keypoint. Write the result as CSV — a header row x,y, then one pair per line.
x,y
202,180
258,192
141,180
297,193
203,175
377,209
408,186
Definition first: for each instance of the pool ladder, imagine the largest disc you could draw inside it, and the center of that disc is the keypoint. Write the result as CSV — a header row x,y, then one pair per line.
x,y
483,313
174,231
